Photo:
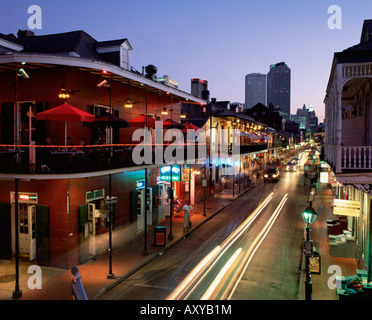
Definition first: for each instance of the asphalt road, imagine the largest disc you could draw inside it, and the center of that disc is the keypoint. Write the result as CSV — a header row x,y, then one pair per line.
x,y
273,270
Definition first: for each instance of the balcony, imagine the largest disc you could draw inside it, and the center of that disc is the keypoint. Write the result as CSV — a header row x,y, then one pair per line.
x,y
71,160
42,160
346,159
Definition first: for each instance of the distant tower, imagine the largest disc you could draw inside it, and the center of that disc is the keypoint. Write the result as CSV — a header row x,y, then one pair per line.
x,y
279,88
255,89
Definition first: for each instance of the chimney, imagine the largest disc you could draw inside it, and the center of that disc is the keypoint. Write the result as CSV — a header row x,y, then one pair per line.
x,y
25,34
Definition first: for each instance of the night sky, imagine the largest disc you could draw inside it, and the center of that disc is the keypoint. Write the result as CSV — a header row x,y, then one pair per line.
x,y
219,41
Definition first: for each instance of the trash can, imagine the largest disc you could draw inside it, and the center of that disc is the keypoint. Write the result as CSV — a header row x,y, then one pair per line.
x,y
160,233
315,262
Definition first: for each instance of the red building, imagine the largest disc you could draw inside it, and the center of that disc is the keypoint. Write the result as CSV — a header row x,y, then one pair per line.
x,y
63,170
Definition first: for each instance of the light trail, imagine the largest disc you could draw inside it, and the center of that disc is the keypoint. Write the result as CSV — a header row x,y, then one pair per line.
x,y
193,274
220,276
252,250
212,258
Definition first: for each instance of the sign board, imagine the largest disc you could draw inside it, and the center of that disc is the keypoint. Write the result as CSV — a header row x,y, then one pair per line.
x,y
314,264
140,184
185,174
204,183
323,177
24,197
346,208
165,173
308,248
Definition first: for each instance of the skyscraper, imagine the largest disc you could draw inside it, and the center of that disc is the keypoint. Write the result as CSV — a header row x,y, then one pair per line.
x,y
279,88
255,89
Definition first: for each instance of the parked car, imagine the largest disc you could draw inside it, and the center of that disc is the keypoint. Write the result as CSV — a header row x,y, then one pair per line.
x,y
272,174
291,165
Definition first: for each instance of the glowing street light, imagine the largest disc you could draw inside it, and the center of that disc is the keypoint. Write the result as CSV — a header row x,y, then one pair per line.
x,y
308,215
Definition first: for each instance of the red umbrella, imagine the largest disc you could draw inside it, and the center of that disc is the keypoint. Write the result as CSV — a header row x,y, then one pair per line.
x,y
189,125
171,124
65,113
140,122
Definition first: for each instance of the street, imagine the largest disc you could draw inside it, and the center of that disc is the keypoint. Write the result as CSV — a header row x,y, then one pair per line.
x,y
268,251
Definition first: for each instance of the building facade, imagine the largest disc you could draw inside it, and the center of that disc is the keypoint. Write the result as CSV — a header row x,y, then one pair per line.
x,y
255,89
279,88
348,140
60,171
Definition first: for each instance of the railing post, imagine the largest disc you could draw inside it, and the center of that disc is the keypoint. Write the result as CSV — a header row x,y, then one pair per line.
x,y
338,158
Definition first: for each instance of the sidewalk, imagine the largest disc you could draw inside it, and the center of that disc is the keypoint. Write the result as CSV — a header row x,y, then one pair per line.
x,y
319,235
127,257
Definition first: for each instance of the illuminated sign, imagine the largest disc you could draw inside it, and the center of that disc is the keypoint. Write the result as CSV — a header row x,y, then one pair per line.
x,y
165,173
140,184
324,177
346,208
185,174
25,197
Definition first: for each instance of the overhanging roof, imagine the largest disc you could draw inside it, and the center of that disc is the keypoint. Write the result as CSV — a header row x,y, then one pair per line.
x,y
37,61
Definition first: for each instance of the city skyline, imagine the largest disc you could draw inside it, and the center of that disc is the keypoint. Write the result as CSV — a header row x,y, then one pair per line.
x,y
215,41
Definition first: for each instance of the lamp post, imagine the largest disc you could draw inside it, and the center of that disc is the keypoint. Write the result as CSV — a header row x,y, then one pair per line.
x,y
109,201
308,215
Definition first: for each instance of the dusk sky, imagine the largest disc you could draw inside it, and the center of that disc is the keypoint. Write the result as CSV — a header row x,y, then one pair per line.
x,y
219,41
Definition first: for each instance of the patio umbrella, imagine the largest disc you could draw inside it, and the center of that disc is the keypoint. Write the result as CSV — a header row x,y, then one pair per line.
x,y
65,113
171,124
189,125
140,122
107,120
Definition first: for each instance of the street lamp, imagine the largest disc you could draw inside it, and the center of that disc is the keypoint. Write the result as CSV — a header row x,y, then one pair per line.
x,y
308,215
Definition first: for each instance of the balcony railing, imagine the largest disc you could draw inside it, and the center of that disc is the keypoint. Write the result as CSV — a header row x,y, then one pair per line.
x,y
81,159
349,158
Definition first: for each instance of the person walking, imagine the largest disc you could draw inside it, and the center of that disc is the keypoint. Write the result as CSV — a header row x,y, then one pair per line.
x,y
312,178
187,210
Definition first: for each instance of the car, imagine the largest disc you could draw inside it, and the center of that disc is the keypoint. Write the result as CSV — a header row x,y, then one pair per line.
x,y
272,174
297,159
291,166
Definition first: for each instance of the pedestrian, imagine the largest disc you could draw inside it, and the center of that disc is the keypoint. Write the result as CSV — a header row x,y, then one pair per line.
x,y
187,210
312,177
176,204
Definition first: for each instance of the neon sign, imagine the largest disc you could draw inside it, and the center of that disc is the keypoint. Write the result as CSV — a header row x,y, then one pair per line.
x,y
165,173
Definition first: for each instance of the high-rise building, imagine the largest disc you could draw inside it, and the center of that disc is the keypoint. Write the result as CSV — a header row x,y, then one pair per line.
x,y
255,89
307,119
279,88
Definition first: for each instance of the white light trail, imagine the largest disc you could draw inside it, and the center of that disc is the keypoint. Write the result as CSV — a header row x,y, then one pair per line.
x,y
215,255
220,276
193,274
255,245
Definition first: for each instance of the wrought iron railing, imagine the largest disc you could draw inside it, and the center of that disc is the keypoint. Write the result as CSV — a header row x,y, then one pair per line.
x,y
349,158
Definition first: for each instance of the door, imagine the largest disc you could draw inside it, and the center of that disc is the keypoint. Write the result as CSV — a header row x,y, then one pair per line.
x,y
92,228
23,229
161,198
5,231
27,230
32,230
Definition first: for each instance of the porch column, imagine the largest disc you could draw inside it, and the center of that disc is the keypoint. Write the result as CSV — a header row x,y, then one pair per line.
x,y
339,86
